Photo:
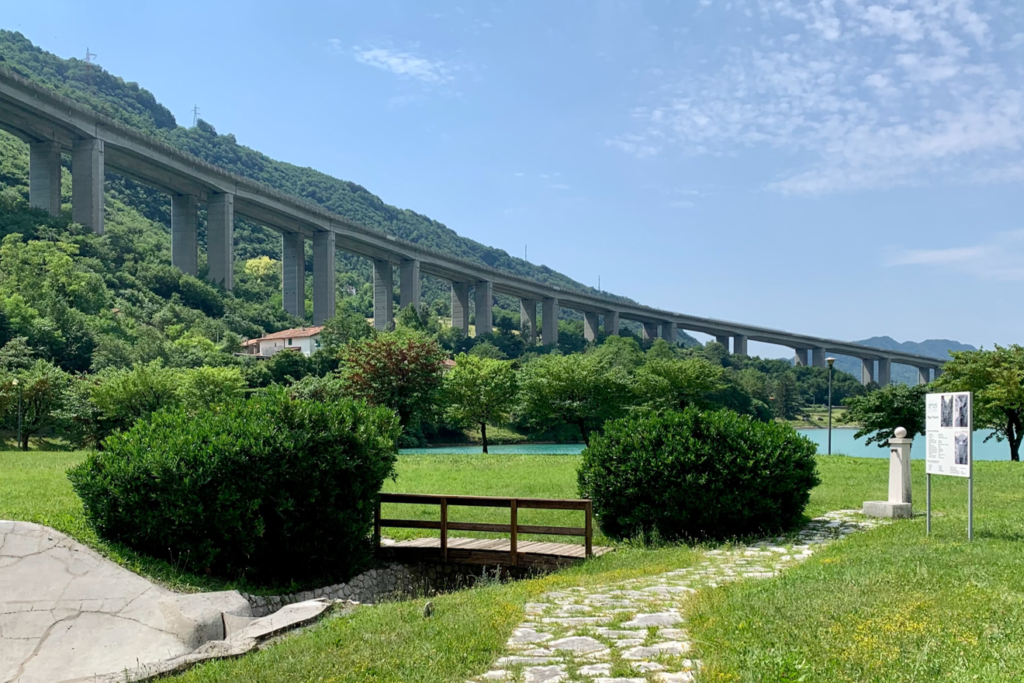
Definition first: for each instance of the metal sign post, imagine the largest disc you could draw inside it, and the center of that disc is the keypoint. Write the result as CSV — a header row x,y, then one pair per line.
x,y
949,427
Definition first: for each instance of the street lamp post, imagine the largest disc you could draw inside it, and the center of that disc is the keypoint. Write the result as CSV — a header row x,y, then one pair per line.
x,y
18,385
831,361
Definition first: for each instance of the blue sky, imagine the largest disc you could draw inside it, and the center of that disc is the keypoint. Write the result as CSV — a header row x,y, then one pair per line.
x,y
847,168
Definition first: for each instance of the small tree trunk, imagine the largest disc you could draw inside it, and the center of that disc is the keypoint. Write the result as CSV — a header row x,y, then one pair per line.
x,y
24,441
586,434
483,434
1014,436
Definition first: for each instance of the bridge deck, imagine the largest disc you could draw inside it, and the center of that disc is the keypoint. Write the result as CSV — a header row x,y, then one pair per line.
x,y
493,551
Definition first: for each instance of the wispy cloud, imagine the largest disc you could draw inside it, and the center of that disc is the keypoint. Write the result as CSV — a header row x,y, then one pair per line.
x,y
852,95
400,63
1000,258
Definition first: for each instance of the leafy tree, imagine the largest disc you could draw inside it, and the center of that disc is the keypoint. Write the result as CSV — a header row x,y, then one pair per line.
x,y
343,328
43,388
621,352
286,367
121,397
202,388
400,370
262,267
581,390
665,384
661,350
487,349
996,379
785,397
16,354
479,391
880,412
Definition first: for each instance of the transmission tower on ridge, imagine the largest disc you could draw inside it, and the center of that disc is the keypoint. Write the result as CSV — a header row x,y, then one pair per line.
x,y
89,64
195,115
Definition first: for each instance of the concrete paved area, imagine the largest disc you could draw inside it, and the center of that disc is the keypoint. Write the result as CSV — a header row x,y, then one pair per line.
x,y
67,613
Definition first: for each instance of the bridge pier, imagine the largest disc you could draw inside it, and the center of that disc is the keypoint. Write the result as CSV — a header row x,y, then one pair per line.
x,y
293,273
44,176
87,184
460,307
483,293
185,234
611,323
884,372
650,331
220,239
668,332
590,325
867,371
324,286
383,295
549,311
938,372
528,320
409,284
923,375
819,357
800,357
739,344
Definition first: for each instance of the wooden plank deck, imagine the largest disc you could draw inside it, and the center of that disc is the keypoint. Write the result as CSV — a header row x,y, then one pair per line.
x,y
492,551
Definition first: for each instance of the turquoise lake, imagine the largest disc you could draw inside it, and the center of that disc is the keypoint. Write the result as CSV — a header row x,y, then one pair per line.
x,y
843,443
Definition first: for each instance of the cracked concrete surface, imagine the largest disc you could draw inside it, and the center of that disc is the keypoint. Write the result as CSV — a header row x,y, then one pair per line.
x,y
67,613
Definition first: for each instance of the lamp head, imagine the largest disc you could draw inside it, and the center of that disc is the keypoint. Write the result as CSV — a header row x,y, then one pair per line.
x,y
14,382
831,361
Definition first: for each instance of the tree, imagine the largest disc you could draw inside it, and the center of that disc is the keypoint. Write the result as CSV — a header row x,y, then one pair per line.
x,y
201,388
400,370
343,328
121,397
996,378
581,390
43,388
666,384
880,412
262,267
479,390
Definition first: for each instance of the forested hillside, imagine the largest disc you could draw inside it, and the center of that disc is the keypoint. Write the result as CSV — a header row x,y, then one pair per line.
x,y
133,105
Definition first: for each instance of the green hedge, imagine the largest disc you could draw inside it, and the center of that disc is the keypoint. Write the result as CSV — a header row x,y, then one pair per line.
x,y
270,489
696,475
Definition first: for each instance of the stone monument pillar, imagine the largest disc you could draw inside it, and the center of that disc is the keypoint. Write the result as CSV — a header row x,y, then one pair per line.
x,y
899,503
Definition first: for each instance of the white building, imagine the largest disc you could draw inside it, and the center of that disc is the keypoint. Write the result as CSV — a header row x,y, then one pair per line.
x,y
304,339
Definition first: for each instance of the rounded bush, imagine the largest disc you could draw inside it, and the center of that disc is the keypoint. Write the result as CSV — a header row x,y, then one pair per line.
x,y
696,475
271,489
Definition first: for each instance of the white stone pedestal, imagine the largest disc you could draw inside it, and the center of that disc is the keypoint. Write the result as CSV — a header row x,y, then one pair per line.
x,y
899,503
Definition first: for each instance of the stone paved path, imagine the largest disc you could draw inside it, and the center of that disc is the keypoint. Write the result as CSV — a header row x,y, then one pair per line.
x,y
634,631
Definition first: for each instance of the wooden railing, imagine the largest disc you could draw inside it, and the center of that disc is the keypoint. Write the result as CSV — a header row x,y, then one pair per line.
x,y
513,528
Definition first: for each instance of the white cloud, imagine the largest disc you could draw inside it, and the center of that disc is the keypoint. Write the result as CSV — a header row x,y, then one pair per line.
x,y
403,64
1001,258
854,94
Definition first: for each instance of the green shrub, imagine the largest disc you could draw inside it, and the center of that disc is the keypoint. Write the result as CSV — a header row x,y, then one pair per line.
x,y
696,475
270,489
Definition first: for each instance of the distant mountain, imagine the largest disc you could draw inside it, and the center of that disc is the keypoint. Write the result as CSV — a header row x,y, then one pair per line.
x,y
935,348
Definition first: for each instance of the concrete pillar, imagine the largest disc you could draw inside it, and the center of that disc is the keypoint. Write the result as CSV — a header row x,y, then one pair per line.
x,y
220,239
483,294
819,358
44,176
185,233
324,273
723,339
409,285
590,325
801,356
650,331
87,184
938,372
549,309
867,371
460,306
528,320
900,502
293,273
739,344
923,375
668,332
383,295
884,372
611,323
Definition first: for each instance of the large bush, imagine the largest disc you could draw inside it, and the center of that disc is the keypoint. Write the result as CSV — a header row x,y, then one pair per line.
x,y
695,475
272,489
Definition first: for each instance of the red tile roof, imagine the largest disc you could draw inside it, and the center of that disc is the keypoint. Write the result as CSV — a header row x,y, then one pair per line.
x,y
296,333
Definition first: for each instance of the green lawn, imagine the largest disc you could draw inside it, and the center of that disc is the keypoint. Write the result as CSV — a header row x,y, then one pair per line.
x,y
887,605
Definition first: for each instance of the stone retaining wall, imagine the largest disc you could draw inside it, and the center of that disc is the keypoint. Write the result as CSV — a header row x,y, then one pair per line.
x,y
392,582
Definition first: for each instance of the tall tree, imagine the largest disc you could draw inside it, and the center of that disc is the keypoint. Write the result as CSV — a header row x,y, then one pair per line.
x,y
996,378
675,384
43,391
480,391
880,412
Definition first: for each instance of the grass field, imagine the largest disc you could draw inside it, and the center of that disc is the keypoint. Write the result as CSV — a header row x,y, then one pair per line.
x,y
886,605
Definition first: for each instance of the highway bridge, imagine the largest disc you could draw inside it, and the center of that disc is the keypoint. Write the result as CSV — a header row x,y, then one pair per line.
x,y
53,125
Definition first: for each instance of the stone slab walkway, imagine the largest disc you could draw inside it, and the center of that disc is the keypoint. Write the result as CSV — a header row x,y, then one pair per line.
x,y
635,631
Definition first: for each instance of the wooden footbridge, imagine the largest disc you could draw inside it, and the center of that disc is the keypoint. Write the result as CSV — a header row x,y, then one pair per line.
x,y
509,551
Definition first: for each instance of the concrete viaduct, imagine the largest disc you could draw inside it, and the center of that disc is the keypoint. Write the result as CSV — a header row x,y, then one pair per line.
x,y
53,125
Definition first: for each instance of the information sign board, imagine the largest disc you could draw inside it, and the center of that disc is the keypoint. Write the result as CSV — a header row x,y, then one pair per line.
x,y
949,427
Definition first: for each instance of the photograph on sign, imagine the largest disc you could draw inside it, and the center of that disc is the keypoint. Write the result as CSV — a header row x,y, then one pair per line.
x,y
948,428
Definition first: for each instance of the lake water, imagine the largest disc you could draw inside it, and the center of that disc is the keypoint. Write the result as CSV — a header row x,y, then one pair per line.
x,y
842,443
